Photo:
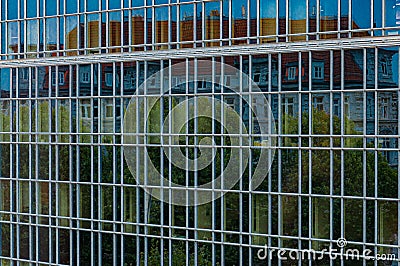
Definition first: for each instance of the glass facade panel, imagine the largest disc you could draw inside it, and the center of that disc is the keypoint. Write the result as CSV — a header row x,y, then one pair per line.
x,y
297,19
328,150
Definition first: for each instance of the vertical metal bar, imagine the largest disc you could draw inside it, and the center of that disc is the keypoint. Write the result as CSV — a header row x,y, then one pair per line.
x,y
277,20
250,139
287,21
145,164
376,132
280,220
307,21
331,152
310,145
138,162
269,239
204,25
318,22
161,151
231,21
213,164
70,161
241,84
187,176
372,7
196,142
342,133
339,19
223,219
258,16
350,20
170,141
122,187
56,160
364,219
299,121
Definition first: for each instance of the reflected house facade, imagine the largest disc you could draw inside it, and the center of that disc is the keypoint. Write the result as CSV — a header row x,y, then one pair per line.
x,y
212,30
318,79
67,196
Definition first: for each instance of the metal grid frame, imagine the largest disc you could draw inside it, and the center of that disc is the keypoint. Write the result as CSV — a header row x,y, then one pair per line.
x,y
78,138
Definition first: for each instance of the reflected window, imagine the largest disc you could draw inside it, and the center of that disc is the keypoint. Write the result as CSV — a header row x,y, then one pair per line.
x,y
13,42
256,77
347,106
384,67
61,78
51,34
109,111
129,79
319,103
86,110
291,73
230,102
53,78
336,107
129,207
370,108
201,84
85,77
109,79
318,70
288,104
227,80
31,39
24,74
384,106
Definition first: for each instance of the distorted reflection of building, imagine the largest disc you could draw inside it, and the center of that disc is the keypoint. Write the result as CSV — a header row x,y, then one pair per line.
x,y
316,78
164,34
62,186
326,94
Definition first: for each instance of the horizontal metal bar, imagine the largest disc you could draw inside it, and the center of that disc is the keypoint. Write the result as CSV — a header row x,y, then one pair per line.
x,y
256,49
